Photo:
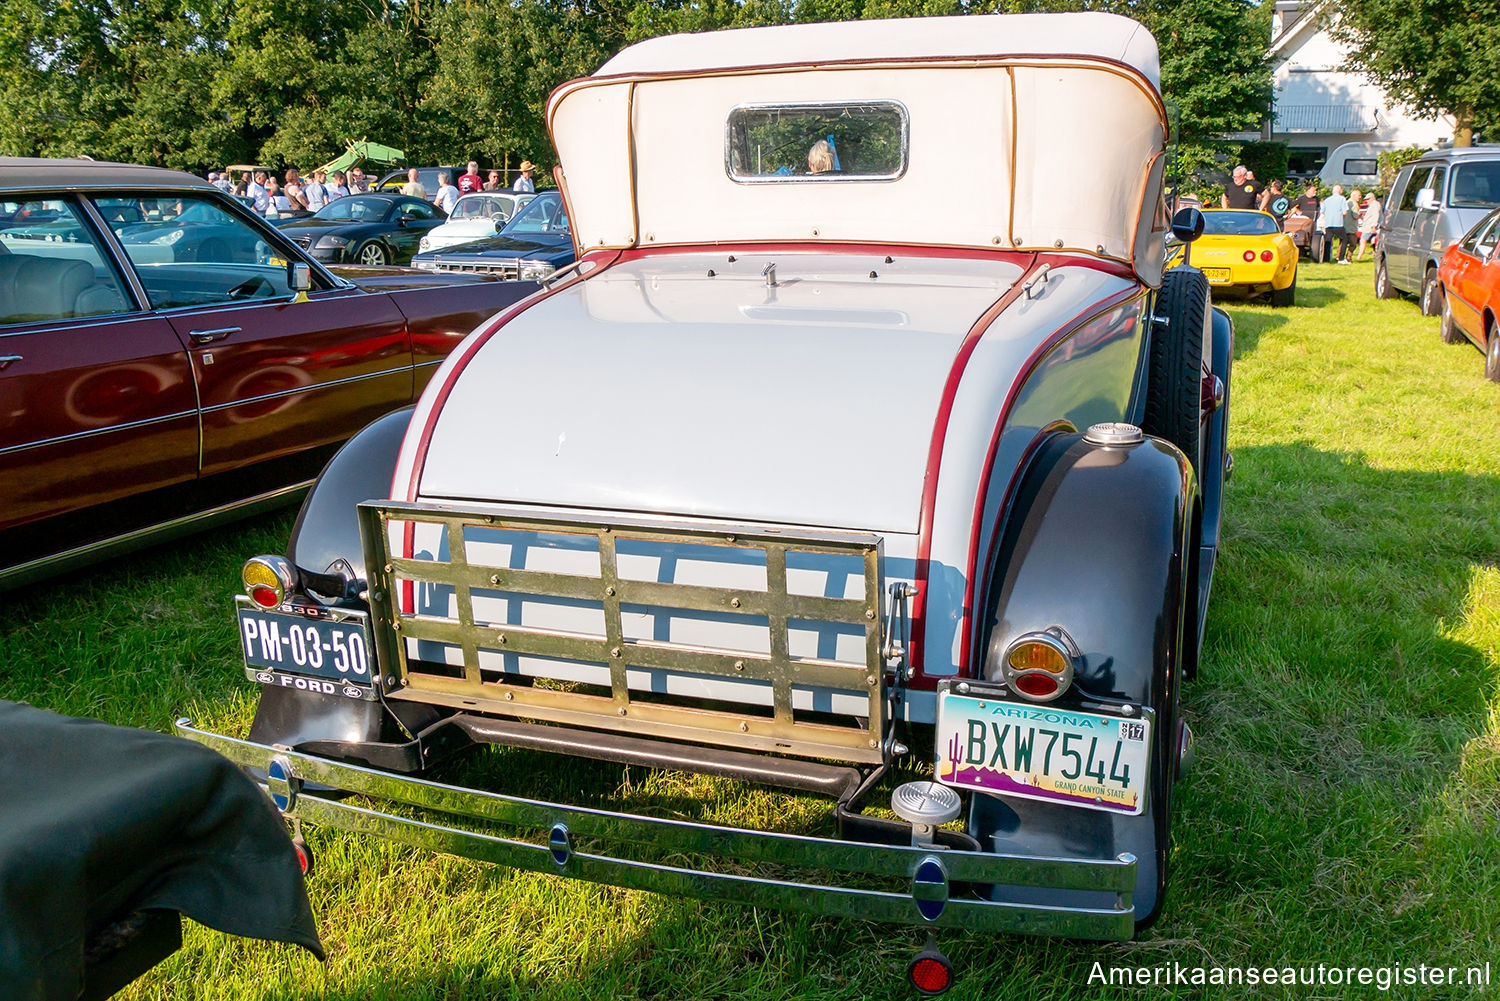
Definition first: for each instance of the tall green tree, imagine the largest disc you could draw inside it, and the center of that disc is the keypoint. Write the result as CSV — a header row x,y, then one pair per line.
x,y
1436,57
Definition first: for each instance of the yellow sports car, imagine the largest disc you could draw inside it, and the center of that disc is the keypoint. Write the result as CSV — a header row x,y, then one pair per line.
x,y
1245,250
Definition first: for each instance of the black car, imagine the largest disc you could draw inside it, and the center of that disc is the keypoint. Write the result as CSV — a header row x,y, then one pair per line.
x,y
366,229
535,243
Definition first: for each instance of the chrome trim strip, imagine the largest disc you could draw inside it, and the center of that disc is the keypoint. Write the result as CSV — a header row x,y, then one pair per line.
x,y
305,389
80,435
735,845
71,559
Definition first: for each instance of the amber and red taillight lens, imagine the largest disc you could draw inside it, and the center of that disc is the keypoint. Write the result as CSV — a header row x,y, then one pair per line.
x,y
1039,666
267,579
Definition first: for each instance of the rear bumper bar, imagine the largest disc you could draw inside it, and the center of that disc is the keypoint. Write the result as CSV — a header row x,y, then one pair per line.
x,y
928,876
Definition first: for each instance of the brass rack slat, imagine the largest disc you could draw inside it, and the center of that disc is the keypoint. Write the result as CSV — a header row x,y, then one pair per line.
x,y
637,712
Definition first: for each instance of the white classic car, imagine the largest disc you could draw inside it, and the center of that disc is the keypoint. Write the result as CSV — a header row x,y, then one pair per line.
x,y
867,431
475,216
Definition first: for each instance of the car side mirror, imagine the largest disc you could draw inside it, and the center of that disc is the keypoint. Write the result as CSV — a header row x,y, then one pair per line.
x,y
1187,226
299,277
1427,199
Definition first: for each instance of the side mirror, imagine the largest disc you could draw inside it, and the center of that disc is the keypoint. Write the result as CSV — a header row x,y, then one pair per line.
x,y
1187,224
299,277
1427,199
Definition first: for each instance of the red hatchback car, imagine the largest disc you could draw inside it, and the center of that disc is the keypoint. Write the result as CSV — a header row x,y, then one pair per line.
x,y
168,360
1469,278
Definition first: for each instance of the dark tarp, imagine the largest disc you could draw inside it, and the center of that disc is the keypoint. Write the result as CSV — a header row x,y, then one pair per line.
x,y
98,822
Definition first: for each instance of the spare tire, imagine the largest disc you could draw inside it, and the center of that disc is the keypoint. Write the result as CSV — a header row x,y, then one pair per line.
x,y
1180,330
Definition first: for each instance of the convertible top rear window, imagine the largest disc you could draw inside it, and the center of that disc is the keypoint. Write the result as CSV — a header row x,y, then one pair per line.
x,y
851,141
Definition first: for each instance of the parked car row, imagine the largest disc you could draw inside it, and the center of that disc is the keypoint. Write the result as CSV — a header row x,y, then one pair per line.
x,y
168,359
1437,242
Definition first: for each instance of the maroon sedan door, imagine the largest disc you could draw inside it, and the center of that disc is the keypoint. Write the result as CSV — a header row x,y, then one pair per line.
x,y
96,397
275,376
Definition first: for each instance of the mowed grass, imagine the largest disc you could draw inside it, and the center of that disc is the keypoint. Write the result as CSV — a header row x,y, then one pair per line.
x,y
1344,810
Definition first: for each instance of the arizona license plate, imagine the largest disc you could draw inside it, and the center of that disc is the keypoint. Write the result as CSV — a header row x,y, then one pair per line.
x,y
1217,275
325,650
1083,759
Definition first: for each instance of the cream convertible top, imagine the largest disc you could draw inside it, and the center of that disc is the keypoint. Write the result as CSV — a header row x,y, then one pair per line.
x,y
1029,131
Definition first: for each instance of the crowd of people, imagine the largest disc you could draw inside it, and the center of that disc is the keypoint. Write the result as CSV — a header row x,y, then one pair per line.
x,y
294,195
1338,228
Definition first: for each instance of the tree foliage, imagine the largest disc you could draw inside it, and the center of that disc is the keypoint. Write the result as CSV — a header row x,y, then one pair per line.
x,y
1436,57
197,84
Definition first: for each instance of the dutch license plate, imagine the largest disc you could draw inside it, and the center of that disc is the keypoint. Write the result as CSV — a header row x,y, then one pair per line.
x,y
327,653
1217,275
1038,752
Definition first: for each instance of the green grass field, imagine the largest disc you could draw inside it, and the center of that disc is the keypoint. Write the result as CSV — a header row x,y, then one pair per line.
x,y
1345,807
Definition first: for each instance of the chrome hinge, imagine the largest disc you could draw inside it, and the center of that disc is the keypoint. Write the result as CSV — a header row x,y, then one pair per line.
x,y
1042,275
898,624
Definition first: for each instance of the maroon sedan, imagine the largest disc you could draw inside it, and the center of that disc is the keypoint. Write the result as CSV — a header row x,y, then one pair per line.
x,y
169,361
1469,277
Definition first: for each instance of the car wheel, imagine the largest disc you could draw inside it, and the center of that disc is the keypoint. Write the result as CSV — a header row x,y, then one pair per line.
x,y
1492,352
1451,333
1174,380
1430,293
1285,296
371,253
1383,287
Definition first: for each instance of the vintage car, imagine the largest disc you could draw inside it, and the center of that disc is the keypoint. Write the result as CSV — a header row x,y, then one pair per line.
x,y
168,360
366,229
475,216
883,447
1469,292
1246,252
535,243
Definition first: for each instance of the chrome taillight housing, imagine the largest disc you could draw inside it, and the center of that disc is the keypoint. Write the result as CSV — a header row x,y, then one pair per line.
x,y
268,579
1039,666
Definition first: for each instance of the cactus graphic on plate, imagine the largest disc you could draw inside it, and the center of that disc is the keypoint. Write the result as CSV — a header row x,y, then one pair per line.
x,y
955,747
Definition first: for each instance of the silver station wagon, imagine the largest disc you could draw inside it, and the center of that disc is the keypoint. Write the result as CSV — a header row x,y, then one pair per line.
x,y
848,453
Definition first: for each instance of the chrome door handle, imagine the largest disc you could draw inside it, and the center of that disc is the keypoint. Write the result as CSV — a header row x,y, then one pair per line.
x,y
7,359
209,336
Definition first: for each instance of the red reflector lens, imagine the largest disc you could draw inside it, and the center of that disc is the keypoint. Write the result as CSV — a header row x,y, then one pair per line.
x,y
930,976
1249,255
1267,256
265,597
1038,686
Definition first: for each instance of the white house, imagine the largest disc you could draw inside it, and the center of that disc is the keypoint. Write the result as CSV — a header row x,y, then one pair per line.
x,y
1319,106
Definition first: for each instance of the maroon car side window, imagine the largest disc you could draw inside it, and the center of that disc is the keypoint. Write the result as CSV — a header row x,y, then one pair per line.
x,y
51,266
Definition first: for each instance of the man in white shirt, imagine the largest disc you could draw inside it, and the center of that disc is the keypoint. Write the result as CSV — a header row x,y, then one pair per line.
x,y
1331,216
523,183
338,189
447,194
256,191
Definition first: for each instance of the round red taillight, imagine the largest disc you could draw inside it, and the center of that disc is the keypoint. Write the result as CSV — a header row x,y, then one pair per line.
x,y
1249,255
1267,256
265,597
1037,686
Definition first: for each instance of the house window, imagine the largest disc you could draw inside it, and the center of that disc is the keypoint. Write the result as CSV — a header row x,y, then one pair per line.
x,y
1305,161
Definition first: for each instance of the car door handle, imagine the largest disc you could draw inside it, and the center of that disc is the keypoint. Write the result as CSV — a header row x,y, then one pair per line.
x,y
5,360
209,336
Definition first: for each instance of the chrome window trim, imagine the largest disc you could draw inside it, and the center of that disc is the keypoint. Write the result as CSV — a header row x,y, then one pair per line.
x,y
832,178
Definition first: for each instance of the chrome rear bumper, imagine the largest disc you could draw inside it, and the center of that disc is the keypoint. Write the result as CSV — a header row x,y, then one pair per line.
x,y
927,874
